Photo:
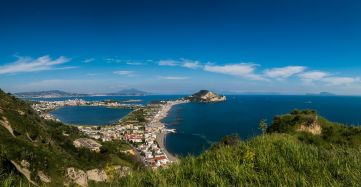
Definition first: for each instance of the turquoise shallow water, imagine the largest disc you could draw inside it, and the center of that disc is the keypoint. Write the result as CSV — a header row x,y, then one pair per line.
x,y
201,124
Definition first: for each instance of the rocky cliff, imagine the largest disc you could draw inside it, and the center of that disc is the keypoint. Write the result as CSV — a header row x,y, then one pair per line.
x,y
206,96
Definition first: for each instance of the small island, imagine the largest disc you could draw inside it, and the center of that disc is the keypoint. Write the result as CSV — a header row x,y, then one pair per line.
x,y
205,96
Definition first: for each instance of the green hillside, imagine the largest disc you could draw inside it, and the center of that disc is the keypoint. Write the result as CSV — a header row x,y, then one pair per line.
x,y
46,146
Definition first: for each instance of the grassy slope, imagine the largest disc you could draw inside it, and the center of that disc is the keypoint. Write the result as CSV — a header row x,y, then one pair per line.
x,y
275,159
43,144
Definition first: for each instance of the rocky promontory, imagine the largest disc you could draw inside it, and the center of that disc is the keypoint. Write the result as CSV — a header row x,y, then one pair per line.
x,y
205,96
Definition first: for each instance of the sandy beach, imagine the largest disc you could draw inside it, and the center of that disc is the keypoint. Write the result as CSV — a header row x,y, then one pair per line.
x,y
161,137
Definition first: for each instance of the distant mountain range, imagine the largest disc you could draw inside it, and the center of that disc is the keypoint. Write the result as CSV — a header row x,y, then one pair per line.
x,y
58,93
48,94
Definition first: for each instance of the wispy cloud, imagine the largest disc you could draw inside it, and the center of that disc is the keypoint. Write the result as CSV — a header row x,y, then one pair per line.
x,y
311,76
168,63
329,79
245,70
135,63
173,77
125,61
193,64
187,63
28,64
284,72
124,72
113,60
336,81
88,60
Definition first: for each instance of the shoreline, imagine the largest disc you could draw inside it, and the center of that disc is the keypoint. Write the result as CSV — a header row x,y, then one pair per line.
x,y
162,135
161,139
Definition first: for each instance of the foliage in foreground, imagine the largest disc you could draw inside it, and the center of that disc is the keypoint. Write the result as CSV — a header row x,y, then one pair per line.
x,y
282,157
274,160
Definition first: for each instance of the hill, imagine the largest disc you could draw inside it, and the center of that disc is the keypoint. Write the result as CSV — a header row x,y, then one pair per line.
x,y
43,151
48,94
205,96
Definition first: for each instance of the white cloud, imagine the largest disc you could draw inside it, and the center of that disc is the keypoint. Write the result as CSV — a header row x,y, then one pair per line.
x,y
173,78
190,64
245,70
168,63
122,72
27,64
320,76
336,81
313,76
284,72
134,63
88,60
113,60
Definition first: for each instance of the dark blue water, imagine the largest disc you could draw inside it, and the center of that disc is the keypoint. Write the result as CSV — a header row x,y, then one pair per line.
x,y
201,124
90,115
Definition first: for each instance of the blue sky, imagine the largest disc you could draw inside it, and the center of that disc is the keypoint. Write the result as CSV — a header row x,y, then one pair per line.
x,y
291,47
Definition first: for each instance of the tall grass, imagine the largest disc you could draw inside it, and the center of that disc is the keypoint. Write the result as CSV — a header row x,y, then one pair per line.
x,y
268,160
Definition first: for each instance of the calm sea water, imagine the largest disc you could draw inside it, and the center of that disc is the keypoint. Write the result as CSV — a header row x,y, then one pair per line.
x,y
97,115
201,124
89,115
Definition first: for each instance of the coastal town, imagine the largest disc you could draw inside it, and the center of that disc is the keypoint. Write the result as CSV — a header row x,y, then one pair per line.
x,y
142,128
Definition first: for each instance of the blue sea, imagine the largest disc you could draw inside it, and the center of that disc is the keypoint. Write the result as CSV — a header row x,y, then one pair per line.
x,y
199,125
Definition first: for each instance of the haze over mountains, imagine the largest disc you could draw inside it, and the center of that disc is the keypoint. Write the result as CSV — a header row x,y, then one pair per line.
x,y
135,92
58,93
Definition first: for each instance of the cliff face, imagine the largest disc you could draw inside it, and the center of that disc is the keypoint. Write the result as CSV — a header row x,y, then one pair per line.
x,y
206,96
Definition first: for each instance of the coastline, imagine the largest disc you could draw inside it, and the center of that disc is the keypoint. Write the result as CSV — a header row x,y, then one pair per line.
x,y
161,139
162,135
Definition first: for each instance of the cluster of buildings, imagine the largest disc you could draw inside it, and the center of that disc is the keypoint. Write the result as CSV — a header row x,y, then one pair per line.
x,y
47,106
142,135
145,134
